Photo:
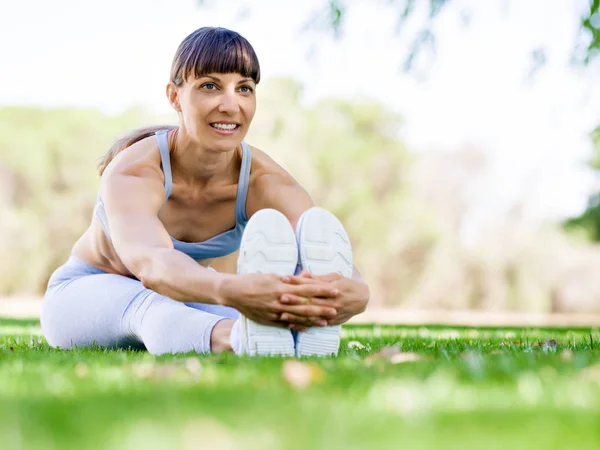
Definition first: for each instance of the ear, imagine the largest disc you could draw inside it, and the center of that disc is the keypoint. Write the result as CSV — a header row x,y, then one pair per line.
x,y
173,96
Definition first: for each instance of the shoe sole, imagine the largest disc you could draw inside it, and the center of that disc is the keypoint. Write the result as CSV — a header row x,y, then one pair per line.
x,y
268,245
324,248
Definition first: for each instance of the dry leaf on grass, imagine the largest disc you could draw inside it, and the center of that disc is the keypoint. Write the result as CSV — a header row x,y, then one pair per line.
x,y
566,355
193,366
400,358
81,370
186,369
299,375
393,355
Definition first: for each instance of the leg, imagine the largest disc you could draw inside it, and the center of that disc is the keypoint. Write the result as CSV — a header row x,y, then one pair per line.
x,y
324,248
84,306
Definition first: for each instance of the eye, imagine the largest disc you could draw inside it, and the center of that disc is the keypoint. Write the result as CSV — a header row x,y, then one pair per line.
x,y
246,89
209,86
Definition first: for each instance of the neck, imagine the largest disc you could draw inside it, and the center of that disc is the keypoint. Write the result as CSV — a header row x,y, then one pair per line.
x,y
197,163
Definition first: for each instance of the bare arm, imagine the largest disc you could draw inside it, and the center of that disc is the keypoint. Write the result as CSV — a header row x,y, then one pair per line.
x,y
133,193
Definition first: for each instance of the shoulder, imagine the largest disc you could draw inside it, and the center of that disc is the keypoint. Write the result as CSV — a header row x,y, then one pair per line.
x,y
140,159
271,186
266,174
263,164
138,163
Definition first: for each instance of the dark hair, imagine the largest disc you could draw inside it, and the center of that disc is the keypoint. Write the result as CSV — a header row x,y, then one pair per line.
x,y
128,140
214,50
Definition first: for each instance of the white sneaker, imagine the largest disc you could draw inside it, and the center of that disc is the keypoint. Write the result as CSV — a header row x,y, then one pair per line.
x,y
324,248
268,246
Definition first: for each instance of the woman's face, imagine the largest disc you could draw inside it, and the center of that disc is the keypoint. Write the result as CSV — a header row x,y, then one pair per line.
x,y
216,109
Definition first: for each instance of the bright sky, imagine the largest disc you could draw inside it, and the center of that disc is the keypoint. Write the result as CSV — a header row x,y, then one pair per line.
x,y
112,54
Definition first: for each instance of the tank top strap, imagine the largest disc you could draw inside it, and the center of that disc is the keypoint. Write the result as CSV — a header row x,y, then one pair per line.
x,y
242,191
165,157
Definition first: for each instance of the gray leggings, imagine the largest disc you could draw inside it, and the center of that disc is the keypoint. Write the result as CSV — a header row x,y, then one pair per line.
x,y
85,306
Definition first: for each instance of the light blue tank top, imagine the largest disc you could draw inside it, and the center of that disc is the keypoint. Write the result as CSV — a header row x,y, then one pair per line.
x,y
219,245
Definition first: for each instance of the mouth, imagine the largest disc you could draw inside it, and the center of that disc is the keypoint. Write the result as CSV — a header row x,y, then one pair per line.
x,y
225,127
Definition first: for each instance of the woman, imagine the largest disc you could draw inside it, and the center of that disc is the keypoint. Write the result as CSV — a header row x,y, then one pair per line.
x,y
174,201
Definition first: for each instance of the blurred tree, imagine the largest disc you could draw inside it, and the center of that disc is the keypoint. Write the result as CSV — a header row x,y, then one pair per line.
x,y
404,211
48,181
589,220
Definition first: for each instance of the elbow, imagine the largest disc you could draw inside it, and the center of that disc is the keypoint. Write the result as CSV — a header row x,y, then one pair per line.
x,y
148,281
150,277
145,269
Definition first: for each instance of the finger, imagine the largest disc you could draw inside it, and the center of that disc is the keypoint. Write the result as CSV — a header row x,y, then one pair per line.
x,y
289,299
337,321
299,279
311,311
312,290
318,322
273,316
329,277
293,319
319,301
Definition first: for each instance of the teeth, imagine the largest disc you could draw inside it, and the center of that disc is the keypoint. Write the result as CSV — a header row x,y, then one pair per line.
x,y
224,126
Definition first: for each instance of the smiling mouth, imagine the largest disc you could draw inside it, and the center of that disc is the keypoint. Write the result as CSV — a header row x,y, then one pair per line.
x,y
225,126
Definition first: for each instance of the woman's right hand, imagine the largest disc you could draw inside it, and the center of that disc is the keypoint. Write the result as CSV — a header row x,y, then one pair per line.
x,y
257,297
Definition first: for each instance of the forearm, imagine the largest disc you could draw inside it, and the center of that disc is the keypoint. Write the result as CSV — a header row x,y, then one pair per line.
x,y
174,274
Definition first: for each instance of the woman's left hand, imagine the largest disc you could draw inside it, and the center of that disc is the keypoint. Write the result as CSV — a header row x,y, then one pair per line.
x,y
352,300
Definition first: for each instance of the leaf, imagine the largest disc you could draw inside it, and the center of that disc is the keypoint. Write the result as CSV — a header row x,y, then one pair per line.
x,y
81,370
566,355
394,355
299,375
189,368
405,357
193,366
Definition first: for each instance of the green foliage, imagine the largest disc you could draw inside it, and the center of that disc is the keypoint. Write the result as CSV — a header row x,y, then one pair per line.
x,y
589,221
587,46
468,388
590,23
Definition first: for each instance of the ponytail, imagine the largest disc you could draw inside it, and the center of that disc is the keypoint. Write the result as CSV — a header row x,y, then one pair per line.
x,y
128,140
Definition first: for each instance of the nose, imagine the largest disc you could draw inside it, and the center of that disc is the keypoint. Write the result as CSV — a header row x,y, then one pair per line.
x,y
229,103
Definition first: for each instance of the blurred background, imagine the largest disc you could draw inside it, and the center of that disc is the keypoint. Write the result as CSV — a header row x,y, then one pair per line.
x,y
458,140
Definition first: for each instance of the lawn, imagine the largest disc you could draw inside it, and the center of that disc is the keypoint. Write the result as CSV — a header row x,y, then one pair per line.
x,y
391,387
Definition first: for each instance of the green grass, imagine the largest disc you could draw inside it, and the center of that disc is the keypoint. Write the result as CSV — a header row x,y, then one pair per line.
x,y
472,388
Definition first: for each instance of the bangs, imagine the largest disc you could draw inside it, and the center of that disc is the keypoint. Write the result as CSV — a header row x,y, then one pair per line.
x,y
214,50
